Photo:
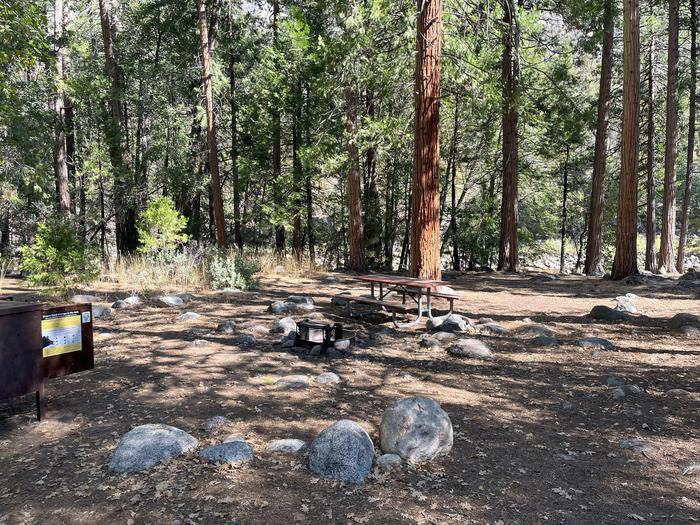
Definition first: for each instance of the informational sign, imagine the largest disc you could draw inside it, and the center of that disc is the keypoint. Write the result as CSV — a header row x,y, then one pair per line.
x,y
61,333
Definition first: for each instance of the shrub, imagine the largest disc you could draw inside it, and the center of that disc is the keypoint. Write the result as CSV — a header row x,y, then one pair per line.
x,y
228,270
58,257
160,226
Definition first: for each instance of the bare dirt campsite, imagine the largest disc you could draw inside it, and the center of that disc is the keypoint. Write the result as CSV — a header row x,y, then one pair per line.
x,y
545,430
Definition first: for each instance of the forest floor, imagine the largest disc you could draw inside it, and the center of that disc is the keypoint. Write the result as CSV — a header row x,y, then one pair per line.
x,y
537,433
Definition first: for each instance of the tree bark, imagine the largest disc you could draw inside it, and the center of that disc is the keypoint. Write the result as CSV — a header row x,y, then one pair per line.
x,y
124,209
564,211
237,229
625,262
372,211
510,70
685,216
357,260
667,260
650,253
594,245
217,202
59,150
278,193
425,213
297,177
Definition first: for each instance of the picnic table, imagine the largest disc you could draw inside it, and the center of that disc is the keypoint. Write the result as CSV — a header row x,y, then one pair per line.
x,y
409,288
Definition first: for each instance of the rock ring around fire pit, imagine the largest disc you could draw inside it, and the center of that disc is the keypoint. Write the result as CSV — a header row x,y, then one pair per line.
x,y
311,333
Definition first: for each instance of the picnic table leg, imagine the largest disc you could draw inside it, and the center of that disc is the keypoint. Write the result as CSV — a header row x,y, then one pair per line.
x,y
372,288
420,313
430,313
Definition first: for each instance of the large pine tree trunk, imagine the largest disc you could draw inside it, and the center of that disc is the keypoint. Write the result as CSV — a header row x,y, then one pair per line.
x,y
371,209
594,245
425,212
510,70
123,202
685,216
278,191
650,252
59,150
667,260
237,229
297,177
625,262
564,212
357,246
217,202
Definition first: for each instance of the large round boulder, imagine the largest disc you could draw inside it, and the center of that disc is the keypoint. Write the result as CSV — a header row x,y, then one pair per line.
x,y
145,446
417,429
343,451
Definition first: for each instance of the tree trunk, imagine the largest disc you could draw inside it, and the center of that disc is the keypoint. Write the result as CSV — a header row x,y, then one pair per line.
x,y
371,211
217,202
650,254
357,247
124,209
594,245
59,150
625,262
510,70
278,192
425,213
237,231
667,260
564,211
685,216
297,177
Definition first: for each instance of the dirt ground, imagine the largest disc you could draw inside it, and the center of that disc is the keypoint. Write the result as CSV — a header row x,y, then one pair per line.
x,y
537,434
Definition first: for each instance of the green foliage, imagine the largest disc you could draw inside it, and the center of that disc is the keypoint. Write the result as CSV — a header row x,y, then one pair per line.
x,y
161,226
229,270
58,257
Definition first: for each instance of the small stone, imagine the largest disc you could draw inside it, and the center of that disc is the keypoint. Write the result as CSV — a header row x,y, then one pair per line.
x,y
343,451
293,381
618,394
692,469
444,336
690,331
282,307
189,316
678,392
633,389
678,321
301,299
286,446
244,340
215,424
287,343
145,446
233,437
605,313
470,348
491,328
625,304
168,301
119,304
102,312
200,343
615,381
449,323
226,327
535,330
186,297
230,453
327,378
316,350
544,340
429,342
128,302
342,344
285,326
389,462
595,343
635,444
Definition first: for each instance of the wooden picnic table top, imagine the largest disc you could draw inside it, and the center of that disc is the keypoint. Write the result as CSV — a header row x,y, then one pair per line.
x,y
411,282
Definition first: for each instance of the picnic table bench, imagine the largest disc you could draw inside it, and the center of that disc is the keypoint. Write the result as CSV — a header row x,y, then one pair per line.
x,y
410,288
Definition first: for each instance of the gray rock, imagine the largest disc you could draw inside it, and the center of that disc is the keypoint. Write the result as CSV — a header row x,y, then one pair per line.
x,y
316,350
301,299
444,336
417,429
470,348
633,389
690,331
343,451
327,378
449,323
244,340
343,344
680,320
226,327
293,381
625,304
330,279
119,305
233,437
535,330
635,444
544,340
389,462
678,392
485,320
339,301
427,341
215,424
229,453
287,343
189,316
618,394
200,343
282,307
614,381
102,312
145,446
286,446
168,301
605,313
84,299
690,275
595,343
285,326
186,297
691,469
127,302
491,328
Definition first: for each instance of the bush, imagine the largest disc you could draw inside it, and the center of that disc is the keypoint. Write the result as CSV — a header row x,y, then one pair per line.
x,y
160,226
58,257
228,270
